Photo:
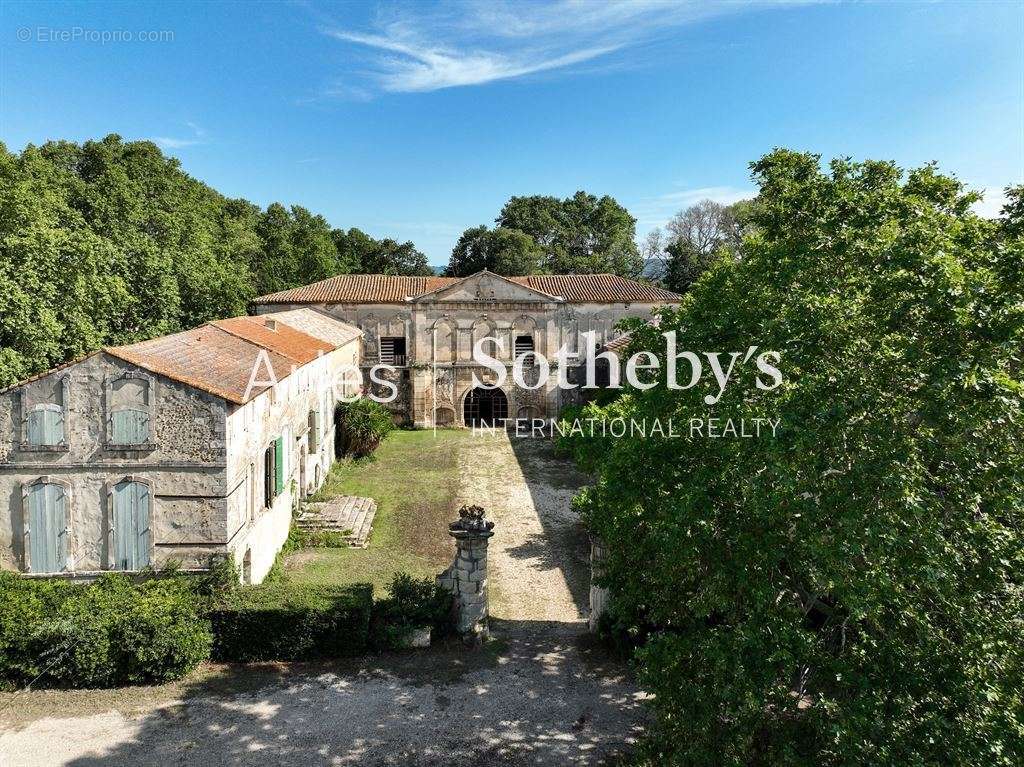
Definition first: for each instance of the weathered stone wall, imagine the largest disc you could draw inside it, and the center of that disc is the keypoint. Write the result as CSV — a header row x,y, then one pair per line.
x,y
184,462
251,428
440,330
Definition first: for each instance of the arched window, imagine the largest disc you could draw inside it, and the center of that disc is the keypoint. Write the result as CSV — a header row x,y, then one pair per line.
x,y
131,505
130,402
313,422
47,522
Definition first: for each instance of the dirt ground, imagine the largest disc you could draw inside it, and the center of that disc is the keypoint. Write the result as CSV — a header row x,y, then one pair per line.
x,y
541,693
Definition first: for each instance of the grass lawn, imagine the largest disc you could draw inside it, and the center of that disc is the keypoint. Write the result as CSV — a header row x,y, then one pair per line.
x,y
413,477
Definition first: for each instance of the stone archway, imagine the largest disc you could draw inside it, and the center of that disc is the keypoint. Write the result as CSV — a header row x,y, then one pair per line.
x,y
485,407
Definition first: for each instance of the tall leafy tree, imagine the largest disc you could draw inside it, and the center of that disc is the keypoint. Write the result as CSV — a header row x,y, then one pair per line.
x,y
580,234
361,253
847,591
503,251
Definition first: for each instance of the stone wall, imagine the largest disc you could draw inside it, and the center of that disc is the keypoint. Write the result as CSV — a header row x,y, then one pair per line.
x,y
466,577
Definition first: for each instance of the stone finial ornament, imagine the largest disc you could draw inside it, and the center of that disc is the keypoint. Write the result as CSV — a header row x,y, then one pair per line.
x,y
471,522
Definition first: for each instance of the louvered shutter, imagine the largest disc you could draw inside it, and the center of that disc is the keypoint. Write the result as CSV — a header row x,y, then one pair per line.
x,y
131,525
36,427
48,534
130,426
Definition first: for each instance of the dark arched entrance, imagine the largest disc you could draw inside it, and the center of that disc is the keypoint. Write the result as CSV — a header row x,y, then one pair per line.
x,y
485,407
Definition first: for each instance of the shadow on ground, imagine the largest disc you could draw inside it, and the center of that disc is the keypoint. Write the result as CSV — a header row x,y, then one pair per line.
x,y
552,482
539,694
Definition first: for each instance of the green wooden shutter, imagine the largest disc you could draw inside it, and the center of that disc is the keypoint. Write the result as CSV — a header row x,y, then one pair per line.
x,y
130,427
279,467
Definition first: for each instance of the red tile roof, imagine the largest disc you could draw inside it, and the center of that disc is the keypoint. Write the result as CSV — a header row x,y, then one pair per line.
x,y
283,339
358,289
208,358
391,289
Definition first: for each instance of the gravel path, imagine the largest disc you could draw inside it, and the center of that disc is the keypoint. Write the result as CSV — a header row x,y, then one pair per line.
x,y
538,560
541,694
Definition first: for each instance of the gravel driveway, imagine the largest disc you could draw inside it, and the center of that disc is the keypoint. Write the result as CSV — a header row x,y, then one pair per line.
x,y
540,694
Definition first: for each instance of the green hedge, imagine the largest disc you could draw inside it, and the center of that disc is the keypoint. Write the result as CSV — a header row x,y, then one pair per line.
x,y
288,621
108,632
413,603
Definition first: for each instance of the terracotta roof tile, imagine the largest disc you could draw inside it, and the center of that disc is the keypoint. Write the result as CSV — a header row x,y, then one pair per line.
x,y
596,288
208,358
358,289
319,325
384,288
283,339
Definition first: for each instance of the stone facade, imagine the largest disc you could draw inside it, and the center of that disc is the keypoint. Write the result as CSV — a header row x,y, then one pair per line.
x,y
198,472
439,328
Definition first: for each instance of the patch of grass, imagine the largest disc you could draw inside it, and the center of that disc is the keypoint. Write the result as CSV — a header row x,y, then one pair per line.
x,y
413,477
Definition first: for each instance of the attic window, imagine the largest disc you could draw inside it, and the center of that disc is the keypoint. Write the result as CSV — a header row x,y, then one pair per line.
x,y
392,351
270,324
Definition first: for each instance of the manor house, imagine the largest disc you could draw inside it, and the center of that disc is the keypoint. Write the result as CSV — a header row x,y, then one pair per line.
x,y
426,328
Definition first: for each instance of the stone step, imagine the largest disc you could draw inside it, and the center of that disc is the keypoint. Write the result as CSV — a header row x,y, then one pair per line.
x,y
348,514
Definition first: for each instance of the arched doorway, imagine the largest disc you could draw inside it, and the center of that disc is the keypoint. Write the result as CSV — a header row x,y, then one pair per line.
x,y
485,407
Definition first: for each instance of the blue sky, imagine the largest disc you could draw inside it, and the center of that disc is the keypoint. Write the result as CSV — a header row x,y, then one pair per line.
x,y
418,120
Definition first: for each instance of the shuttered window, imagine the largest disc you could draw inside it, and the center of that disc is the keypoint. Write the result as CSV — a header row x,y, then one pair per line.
x,y
129,426
47,528
269,482
46,425
130,525
392,351
524,345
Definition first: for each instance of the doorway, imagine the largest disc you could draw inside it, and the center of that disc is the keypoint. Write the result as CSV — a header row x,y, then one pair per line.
x,y
485,407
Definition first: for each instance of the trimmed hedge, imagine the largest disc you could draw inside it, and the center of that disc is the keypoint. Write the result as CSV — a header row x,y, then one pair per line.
x,y
288,621
413,603
109,632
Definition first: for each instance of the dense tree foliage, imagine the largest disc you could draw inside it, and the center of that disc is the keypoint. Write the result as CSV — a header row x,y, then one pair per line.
x,y
578,235
110,242
500,250
849,590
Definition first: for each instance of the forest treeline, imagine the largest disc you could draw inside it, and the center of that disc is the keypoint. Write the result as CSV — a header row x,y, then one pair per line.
x,y
110,242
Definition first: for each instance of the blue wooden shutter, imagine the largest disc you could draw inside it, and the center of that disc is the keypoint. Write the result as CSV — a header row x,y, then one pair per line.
x,y
131,521
48,535
130,427
53,425
35,427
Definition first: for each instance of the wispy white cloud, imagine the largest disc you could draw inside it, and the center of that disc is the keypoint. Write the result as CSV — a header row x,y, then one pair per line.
x,y
651,212
417,50
170,142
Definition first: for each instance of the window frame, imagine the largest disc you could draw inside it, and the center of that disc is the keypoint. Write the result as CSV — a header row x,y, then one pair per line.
x,y
391,361
65,485
27,409
111,548
109,410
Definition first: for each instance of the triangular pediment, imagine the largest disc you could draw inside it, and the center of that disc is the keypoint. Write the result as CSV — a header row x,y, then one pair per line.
x,y
487,286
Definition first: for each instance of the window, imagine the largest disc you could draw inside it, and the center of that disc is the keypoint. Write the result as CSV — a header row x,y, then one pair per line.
x,y
130,403
47,522
273,471
392,351
46,426
129,426
524,345
130,524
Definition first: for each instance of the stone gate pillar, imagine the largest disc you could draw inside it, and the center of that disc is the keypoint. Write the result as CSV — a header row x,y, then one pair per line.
x,y
466,578
598,594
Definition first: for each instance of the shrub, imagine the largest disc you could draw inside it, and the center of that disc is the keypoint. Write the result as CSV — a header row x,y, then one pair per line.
x,y
412,604
849,590
108,632
363,425
289,621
